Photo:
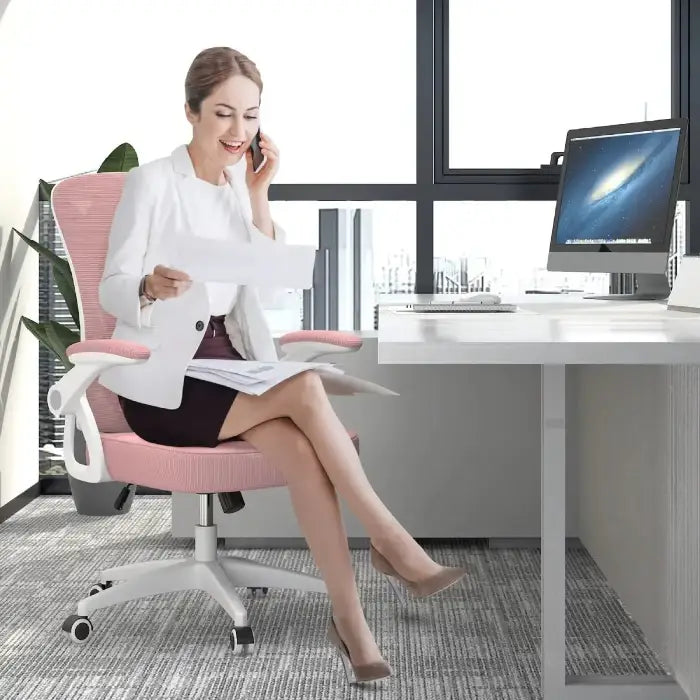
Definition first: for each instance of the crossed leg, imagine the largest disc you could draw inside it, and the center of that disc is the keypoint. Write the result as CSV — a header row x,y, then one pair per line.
x,y
303,399
297,412
317,510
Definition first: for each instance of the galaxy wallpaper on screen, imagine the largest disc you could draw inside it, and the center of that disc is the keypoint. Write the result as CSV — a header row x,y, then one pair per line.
x,y
617,188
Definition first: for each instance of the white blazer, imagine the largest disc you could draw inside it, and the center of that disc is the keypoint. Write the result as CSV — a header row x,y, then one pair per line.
x,y
154,203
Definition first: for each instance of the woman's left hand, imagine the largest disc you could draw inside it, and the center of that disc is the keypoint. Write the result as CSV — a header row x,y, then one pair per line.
x,y
260,181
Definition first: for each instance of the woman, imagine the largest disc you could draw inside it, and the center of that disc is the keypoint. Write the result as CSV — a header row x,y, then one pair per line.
x,y
293,423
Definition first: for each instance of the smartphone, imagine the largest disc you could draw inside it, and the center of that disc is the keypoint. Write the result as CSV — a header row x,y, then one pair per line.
x,y
258,157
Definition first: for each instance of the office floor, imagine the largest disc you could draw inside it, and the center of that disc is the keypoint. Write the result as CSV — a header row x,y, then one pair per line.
x,y
479,640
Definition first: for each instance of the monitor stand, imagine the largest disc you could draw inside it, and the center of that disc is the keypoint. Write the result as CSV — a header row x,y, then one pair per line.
x,y
650,287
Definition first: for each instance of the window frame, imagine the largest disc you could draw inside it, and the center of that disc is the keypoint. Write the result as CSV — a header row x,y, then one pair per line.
x,y
436,183
537,175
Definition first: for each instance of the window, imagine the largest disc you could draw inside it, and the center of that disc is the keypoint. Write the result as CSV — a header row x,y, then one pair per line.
x,y
386,241
521,74
500,247
339,80
503,247
678,240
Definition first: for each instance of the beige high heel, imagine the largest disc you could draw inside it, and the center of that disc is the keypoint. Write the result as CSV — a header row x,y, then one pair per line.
x,y
362,672
418,589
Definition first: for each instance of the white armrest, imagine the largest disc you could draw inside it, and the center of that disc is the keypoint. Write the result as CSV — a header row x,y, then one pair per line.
x,y
64,396
67,397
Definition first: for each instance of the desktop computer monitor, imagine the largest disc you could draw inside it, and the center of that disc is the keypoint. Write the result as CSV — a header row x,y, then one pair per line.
x,y
616,202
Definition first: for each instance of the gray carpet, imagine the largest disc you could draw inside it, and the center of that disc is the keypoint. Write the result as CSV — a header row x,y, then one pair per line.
x,y
478,640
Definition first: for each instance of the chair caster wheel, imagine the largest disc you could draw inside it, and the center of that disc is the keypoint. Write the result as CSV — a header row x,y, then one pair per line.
x,y
242,637
254,590
78,627
98,587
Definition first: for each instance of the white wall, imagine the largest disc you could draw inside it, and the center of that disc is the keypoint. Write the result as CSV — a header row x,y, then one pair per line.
x,y
19,420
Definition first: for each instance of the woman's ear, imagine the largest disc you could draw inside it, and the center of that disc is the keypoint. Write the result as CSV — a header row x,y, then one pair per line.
x,y
190,115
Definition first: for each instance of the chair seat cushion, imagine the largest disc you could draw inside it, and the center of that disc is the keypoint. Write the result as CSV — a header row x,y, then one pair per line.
x,y
234,465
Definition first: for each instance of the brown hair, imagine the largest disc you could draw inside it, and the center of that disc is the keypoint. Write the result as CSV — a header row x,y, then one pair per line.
x,y
212,67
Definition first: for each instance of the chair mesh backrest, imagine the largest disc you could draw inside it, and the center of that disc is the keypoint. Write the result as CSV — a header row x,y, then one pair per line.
x,y
83,207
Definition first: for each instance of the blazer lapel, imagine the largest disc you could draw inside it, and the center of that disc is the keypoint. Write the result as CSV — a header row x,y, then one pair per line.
x,y
246,323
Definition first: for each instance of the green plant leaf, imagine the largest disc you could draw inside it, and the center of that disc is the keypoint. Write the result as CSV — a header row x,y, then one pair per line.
x,y
45,190
61,337
55,259
38,330
65,334
122,159
67,288
62,275
41,333
54,336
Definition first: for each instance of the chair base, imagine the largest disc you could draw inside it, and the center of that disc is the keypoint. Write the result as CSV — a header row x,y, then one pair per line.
x,y
206,571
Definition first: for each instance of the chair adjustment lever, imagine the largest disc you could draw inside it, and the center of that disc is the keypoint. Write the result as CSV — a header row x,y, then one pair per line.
x,y
231,501
123,496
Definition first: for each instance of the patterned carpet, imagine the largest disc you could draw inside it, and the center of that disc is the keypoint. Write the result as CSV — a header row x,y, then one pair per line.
x,y
478,640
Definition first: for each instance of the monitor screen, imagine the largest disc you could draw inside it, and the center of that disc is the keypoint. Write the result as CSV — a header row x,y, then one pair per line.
x,y
617,189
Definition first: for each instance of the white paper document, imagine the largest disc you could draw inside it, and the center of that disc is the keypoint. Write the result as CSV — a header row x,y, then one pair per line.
x,y
249,376
259,265
252,377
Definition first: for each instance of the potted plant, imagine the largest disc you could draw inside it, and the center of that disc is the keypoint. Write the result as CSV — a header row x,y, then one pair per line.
x,y
89,499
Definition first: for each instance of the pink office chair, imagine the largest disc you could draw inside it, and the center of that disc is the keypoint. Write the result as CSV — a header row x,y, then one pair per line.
x,y
83,208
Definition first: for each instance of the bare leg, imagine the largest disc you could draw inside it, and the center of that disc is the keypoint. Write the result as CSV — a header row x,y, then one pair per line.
x,y
316,418
303,399
316,506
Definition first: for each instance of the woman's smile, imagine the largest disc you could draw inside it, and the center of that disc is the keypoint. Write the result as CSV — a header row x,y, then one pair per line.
x,y
231,146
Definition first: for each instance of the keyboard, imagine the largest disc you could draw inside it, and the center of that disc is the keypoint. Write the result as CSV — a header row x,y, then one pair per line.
x,y
460,307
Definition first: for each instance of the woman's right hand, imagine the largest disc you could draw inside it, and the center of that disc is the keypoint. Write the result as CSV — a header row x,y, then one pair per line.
x,y
167,282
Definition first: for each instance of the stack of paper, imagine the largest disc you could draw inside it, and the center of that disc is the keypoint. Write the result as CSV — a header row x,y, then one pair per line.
x,y
252,377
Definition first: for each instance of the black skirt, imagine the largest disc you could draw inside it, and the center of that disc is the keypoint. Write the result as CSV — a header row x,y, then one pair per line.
x,y
199,417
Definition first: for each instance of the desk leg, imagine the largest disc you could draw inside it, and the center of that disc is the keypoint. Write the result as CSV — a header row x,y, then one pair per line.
x,y
552,523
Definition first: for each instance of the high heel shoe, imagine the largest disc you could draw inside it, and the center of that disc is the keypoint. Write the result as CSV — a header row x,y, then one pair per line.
x,y
418,589
361,672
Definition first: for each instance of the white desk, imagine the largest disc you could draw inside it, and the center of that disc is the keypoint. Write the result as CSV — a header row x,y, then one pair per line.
x,y
552,331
